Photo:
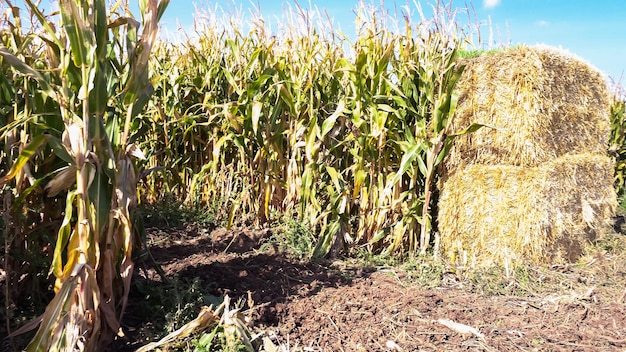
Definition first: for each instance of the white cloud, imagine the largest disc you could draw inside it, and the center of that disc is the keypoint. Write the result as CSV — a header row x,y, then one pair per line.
x,y
542,23
491,3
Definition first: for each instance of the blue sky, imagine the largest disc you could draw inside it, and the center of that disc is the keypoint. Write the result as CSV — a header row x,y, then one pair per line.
x,y
594,30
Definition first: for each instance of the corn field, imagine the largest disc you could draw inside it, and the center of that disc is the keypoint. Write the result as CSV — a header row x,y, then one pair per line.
x,y
96,114
344,135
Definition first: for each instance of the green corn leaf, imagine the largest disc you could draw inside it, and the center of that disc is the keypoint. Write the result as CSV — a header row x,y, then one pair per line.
x,y
23,158
449,141
101,194
142,98
22,67
441,113
100,26
408,135
46,25
79,34
259,82
398,236
286,96
217,148
454,79
325,242
421,164
378,236
99,94
161,8
329,123
143,5
386,108
407,160
59,149
359,178
111,128
24,194
194,181
310,147
470,129
17,123
232,82
334,177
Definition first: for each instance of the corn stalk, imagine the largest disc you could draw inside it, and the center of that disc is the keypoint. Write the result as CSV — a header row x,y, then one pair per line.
x,y
617,143
96,77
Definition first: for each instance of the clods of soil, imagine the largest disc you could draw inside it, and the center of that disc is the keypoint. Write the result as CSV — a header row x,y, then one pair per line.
x,y
340,306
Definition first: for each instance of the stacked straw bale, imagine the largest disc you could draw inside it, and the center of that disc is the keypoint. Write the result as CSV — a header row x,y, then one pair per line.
x,y
502,214
538,186
543,103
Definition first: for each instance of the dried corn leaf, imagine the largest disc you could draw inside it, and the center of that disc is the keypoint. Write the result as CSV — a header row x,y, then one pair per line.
x,y
206,317
460,328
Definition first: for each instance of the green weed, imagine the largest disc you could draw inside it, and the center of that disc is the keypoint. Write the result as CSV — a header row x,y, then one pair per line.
x,y
172,212
292,236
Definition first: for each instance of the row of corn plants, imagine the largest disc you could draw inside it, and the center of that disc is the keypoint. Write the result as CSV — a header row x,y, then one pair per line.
x,y
346,135
74,84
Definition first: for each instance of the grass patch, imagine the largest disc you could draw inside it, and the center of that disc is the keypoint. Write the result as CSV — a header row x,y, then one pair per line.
x,y
292,237
600,272
172,212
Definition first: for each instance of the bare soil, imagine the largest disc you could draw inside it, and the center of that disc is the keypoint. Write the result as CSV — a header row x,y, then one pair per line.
x,y
355,306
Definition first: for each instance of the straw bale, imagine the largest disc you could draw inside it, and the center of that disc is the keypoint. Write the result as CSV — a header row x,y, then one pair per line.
x,y
543,103
504,214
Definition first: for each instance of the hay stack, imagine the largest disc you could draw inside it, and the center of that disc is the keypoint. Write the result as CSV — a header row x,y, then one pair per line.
x,y
543,103
503,214
538,186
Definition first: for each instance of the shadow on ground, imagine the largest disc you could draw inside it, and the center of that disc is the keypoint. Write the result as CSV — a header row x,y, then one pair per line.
x,y
324,307
220,263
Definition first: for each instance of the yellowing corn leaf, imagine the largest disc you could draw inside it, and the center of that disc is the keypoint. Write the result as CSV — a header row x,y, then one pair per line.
x,y
62,181
23,158
53,317
235,328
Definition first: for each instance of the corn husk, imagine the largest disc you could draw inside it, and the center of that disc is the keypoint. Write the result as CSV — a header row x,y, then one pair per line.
x,y
505,214
542,102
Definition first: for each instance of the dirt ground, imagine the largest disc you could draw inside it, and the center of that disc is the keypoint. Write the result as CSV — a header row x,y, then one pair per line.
x,y
348,306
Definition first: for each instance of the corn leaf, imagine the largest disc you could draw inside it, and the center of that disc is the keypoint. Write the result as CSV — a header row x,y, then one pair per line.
x,y
55,312
255,115
62,181
407,160
79,34
329,122
22,67
27,153
449,141
46,25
